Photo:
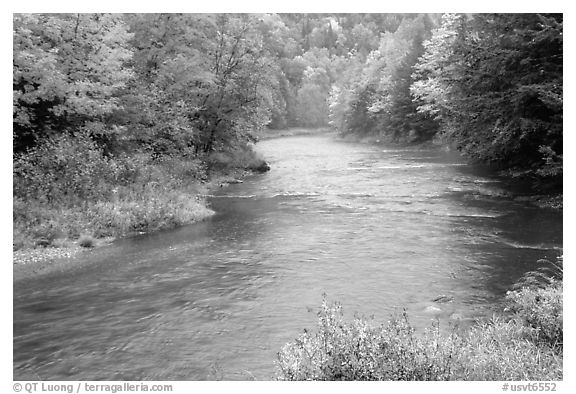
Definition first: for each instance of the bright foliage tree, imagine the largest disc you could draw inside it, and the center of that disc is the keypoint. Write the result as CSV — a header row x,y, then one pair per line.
x,y
494,81
67,71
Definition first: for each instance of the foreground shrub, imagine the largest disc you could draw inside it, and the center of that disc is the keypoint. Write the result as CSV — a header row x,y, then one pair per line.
x,y
503,350
537,303
541,310
360,350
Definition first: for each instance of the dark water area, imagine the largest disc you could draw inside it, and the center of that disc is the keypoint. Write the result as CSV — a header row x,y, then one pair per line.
x,y
375,228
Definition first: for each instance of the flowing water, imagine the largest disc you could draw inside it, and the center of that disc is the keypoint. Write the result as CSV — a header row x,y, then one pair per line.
x,y
376,228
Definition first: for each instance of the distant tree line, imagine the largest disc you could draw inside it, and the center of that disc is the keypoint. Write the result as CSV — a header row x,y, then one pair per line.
x,y
491,84
171,82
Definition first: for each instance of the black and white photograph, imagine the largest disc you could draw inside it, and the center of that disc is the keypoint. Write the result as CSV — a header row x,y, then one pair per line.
x,y
260,196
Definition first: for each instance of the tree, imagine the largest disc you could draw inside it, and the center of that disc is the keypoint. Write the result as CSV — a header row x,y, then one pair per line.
x,y
312,106
67,69
435,72
210,78
379,101
495,83
243,93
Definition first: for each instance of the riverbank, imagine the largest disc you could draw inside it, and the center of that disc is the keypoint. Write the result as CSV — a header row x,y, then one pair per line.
x,y
327,211
32,261
531,195
523,343
554,201
49,238
291,132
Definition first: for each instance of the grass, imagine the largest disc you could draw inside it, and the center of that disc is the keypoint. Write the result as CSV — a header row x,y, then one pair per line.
x,y
136,208
67,188
504,350
525,345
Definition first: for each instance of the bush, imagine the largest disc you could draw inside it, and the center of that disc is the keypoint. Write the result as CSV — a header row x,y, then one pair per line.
x,y
360,350
86,241
537,303
238,158
65,170
541,310
503,350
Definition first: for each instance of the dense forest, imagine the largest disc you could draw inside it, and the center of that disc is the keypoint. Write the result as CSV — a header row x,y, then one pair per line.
x,y
118,117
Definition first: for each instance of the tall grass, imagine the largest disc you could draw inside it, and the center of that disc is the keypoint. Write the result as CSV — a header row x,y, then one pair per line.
x,y
537,302
68,187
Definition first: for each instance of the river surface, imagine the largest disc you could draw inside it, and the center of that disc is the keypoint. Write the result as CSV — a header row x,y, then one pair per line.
x,y
375,228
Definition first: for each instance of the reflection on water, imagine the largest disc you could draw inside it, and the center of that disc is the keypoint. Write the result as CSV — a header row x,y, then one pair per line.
x,y
376,229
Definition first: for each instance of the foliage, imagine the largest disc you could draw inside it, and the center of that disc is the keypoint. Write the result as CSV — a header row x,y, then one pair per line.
x,y
208,77
312,107
553,163
167,82
65,170
322,44
497,349
379,102
541,310
537,301
116,116
66,186
239,158
497,90
433,72
146,210
67,69
503,350
392,105
343,94
103,103
361,351
153,195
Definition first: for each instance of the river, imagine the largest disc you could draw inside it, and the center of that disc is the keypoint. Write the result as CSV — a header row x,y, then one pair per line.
x,y
375,228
